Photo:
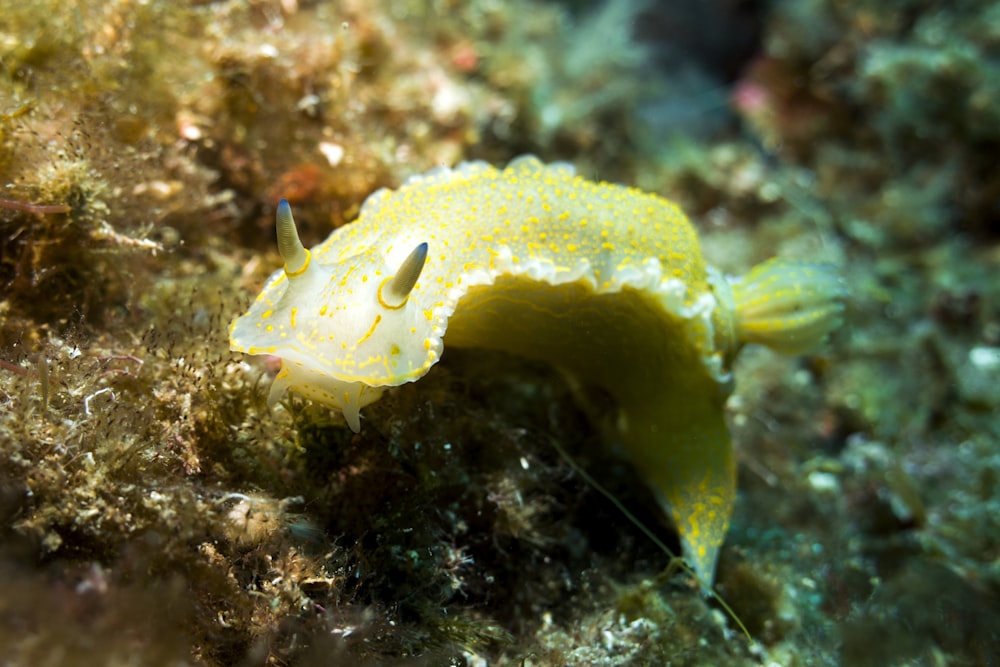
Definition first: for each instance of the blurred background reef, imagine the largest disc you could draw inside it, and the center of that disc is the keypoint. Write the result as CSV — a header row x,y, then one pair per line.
x,y
153,511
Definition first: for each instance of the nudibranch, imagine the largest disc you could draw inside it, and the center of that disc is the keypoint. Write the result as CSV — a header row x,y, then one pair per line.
x,y
605,282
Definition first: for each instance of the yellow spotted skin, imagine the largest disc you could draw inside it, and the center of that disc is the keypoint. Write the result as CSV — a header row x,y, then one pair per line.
x,y
603,281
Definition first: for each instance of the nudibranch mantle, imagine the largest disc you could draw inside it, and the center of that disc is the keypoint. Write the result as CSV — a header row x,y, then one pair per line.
x,y
606,282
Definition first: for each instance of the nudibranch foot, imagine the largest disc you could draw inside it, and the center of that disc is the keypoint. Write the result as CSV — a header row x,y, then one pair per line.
x,y
695,480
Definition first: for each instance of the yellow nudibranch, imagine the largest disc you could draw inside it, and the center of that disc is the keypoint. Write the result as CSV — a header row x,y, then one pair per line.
x,y
603,281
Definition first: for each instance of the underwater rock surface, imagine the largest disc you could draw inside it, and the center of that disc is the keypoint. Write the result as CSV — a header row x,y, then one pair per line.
x,y
156,511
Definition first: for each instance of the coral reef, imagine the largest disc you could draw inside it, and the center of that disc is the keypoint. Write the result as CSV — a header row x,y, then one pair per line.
x,y
155,511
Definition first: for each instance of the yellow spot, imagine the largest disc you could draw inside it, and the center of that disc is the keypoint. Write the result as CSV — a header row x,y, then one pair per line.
x,y
294,311
371,330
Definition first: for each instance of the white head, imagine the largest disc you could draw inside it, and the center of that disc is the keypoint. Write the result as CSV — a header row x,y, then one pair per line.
x,y
344,327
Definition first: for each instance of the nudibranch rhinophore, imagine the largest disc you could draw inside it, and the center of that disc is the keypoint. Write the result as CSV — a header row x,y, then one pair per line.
x,y
603,281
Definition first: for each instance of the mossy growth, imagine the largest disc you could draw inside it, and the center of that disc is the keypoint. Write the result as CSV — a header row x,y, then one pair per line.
x,y
85,134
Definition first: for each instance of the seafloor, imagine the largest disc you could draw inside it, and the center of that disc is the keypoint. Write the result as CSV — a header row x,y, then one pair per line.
x,y
156,512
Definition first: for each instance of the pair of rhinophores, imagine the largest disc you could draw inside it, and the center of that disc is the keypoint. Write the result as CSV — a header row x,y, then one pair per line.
x,y
603,281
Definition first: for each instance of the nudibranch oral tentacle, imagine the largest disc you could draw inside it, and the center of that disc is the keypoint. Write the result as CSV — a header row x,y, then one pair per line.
x,y
603,281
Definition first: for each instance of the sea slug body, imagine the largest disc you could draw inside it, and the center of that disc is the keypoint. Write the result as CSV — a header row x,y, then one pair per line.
x,y
603,281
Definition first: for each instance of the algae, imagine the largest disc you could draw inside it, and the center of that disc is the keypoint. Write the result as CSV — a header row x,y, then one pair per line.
x,y
155,511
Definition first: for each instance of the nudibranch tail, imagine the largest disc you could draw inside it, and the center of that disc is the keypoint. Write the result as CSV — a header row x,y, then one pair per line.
x,y
695,479
788,306
292,251
396,290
